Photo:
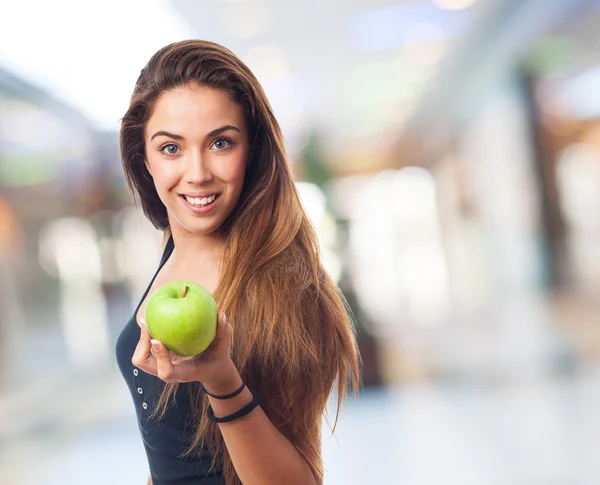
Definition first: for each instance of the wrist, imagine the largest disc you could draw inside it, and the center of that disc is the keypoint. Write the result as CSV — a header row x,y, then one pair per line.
x,y
229,381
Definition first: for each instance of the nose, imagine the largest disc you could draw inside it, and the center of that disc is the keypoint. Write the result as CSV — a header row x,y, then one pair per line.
x,y
197,170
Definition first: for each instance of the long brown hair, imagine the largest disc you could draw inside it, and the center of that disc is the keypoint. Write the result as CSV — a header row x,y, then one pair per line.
x,y
293,338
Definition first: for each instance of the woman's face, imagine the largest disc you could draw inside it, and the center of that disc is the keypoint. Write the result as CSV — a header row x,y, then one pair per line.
x,y
196,148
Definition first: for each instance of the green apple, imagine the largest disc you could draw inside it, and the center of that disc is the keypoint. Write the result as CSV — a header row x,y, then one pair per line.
x,y
182,315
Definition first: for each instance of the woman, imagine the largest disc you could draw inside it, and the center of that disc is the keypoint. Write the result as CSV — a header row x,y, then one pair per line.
x,y
204,154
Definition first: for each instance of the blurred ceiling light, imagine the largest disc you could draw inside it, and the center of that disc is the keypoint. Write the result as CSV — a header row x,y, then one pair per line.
x,y
454,4
246,19
425,43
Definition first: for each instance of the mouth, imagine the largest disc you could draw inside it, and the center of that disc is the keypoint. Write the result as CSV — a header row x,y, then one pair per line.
x,y
200,204
200,201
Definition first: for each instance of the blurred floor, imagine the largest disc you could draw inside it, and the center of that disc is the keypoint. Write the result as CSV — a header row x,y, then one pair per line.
x,y
536,432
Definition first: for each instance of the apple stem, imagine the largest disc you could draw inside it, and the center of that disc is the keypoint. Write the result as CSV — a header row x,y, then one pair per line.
x,y
185,290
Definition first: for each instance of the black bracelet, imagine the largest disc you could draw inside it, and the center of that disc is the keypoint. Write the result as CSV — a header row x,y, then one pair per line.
x,y
238,414
228,396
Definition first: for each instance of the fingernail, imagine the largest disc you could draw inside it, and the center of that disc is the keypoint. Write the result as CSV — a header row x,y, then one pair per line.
x,y
155,345
224,318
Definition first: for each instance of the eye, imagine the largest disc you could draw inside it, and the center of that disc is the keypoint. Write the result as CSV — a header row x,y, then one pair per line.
x,y
169,149
222,144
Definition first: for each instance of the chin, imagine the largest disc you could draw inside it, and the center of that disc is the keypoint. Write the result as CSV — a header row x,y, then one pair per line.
x,y
201,230
205,232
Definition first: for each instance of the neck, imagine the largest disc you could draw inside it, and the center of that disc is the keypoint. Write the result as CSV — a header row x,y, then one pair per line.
x,y
193,248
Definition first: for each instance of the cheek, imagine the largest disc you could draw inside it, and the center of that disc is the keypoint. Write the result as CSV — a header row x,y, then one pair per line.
x,y
164,175
233,173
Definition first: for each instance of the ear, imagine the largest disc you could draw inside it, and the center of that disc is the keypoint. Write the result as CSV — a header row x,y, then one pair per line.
x,y
148,167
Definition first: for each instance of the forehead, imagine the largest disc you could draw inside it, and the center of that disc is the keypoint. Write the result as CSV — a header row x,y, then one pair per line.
x,y
194,108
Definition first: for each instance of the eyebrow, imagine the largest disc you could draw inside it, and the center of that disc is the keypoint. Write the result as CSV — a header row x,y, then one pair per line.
x,y
215,132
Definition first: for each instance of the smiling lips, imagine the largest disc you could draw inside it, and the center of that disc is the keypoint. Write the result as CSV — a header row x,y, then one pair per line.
x,y
200,201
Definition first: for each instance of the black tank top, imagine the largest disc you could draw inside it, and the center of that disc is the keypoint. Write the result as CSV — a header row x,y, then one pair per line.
x,y
166,439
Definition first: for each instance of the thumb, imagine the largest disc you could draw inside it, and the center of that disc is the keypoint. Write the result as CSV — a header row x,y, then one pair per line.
x,y
164,364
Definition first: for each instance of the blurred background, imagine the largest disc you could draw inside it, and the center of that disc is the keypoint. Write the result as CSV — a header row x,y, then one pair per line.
x,y
448,152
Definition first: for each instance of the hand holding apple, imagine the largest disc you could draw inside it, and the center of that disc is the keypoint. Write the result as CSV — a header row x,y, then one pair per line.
x,y
213,366
182,315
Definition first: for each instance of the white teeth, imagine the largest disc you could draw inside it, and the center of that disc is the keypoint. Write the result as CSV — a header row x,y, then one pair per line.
x,y
200,201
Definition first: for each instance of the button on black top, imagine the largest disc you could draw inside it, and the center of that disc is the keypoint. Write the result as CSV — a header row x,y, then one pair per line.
x,y
166,439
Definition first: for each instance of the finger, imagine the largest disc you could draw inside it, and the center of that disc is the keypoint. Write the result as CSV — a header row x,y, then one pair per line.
x,y
143,347
142,357
222,340
224,329
165,369
145,335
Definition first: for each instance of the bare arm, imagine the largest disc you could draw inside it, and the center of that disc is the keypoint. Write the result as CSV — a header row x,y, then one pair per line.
x,y
260,454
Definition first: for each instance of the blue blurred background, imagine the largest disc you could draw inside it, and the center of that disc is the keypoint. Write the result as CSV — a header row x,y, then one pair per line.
x,y
448,152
